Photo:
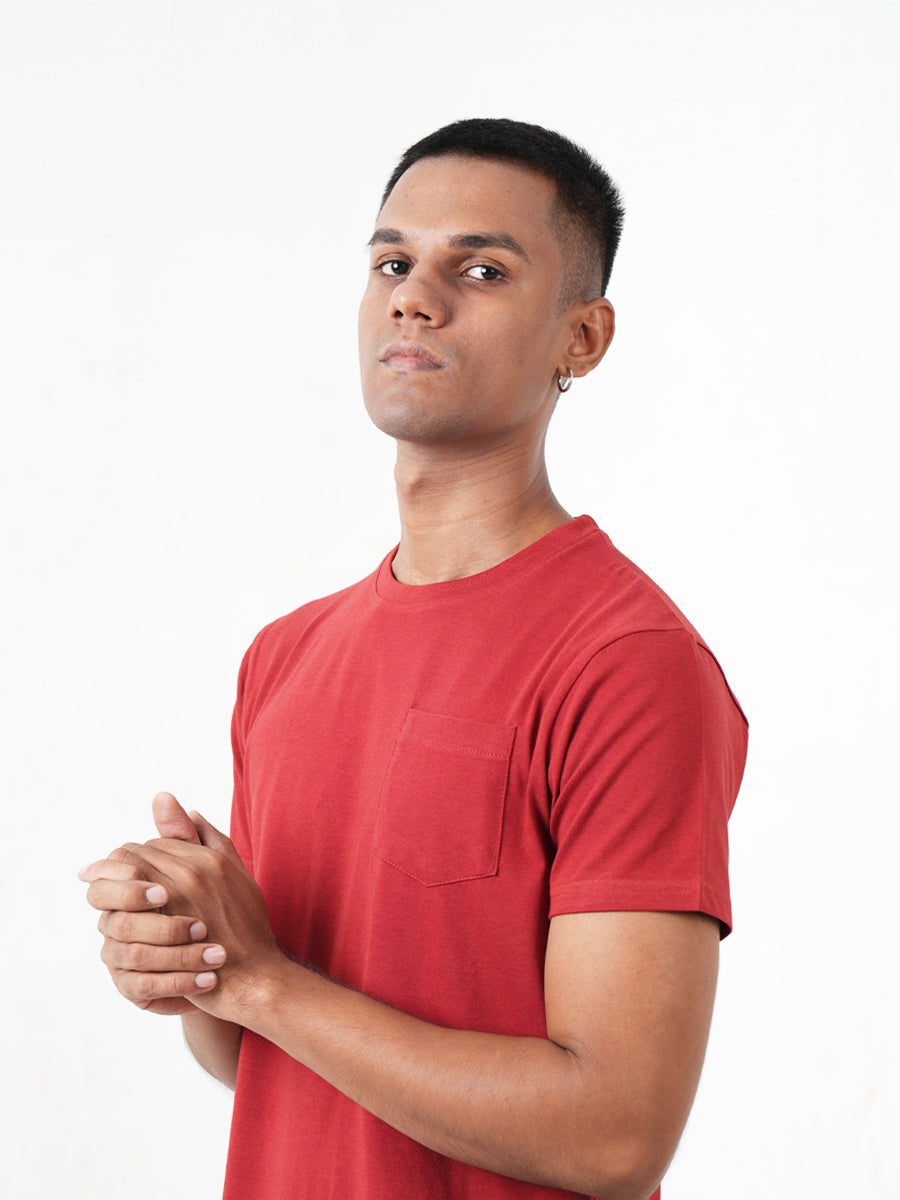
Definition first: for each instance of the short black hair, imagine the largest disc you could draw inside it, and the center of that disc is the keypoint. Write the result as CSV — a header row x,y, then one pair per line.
x,y
588,212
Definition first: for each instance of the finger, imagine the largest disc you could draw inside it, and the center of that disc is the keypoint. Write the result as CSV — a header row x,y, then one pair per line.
x,y
170,1006
157,960
152,928
142,988
108,868
128,895
212,837
164,860
171,819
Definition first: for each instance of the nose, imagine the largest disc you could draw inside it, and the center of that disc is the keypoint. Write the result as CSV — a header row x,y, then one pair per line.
x,y
418,296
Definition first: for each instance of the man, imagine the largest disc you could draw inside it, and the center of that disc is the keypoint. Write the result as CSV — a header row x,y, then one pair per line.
x,y
464,942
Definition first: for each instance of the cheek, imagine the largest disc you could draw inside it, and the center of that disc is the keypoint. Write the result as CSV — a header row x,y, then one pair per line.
x,y
522,354
363,317
372,307
365,333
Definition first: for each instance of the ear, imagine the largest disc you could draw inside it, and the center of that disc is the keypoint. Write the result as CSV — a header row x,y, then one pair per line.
x,y
593,326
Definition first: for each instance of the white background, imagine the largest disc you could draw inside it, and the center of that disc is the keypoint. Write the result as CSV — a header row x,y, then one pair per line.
x,y
186,189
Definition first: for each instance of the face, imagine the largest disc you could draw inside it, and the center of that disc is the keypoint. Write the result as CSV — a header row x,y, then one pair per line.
x,y
460,332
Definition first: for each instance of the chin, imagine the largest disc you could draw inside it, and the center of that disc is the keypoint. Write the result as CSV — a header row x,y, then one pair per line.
x,y
418,427
406,421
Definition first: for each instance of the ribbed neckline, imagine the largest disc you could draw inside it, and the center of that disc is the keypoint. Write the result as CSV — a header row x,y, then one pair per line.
x,y
551,544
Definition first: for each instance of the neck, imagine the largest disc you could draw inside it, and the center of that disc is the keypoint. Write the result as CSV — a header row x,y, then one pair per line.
x,y
462,515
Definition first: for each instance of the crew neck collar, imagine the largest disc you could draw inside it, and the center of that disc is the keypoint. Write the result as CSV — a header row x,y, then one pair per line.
x,y
551,544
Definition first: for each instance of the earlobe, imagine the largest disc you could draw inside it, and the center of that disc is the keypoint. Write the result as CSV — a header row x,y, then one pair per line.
x,y
592,335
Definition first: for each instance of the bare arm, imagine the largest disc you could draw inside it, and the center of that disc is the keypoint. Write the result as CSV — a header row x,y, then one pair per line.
x,y
597,1107
214,1043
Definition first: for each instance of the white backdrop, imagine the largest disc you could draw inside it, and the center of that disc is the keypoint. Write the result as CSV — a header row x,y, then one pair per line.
x,y
186,189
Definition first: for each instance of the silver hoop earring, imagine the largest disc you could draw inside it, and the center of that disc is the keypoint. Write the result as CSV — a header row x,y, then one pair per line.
x,y
562,384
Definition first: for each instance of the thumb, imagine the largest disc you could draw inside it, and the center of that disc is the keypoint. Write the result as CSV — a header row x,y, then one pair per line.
x,y
171,819
212,837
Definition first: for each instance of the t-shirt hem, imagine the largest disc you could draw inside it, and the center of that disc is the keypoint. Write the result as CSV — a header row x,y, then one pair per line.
x,y
618,895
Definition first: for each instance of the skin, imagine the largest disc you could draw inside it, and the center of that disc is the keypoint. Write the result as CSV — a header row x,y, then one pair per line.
x,y
471,479
461,346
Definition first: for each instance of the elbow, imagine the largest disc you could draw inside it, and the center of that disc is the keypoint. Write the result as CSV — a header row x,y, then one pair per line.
x,y
634,1188
631,1170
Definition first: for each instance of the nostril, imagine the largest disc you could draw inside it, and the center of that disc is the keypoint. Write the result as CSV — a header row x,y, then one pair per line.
x,y
399,313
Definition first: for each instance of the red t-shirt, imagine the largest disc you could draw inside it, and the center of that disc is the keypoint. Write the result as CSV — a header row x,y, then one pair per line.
x,y
424,776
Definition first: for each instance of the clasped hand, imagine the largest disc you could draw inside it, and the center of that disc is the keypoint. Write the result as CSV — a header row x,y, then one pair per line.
x,y
184,923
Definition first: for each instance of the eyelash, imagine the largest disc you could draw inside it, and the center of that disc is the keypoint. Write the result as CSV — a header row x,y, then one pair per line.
x,y
497,276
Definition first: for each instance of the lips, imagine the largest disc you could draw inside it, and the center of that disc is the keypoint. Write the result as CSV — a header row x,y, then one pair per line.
x,y
409,356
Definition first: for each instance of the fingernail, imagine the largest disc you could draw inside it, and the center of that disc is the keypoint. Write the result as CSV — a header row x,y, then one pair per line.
x,y
206,979
82,871
156,895
198,931
214,955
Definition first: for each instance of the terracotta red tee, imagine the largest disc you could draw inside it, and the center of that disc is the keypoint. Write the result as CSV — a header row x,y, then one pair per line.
x,y
424,776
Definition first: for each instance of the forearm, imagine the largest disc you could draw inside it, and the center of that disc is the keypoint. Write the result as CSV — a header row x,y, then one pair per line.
x,y
522,1107
214,1043
596,1107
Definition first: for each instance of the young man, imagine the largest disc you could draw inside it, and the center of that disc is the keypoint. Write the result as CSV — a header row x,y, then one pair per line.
x,y
483,793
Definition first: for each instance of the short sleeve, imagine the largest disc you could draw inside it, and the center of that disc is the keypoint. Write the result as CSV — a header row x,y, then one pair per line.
x,y
649,750
240,819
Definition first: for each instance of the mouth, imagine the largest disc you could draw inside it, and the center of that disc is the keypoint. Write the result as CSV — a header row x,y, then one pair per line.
x,y
409,356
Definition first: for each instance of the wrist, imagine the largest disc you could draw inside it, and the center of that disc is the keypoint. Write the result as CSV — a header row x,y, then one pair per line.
x,y
247,995
196,1018
277,996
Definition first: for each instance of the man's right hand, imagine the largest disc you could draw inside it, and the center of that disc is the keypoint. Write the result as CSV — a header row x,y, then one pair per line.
x,y
142,944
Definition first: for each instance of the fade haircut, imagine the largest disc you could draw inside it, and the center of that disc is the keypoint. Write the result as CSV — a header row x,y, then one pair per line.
x,y
587,213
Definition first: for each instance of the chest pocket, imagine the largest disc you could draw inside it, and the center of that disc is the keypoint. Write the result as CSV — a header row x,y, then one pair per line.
x,y
440,817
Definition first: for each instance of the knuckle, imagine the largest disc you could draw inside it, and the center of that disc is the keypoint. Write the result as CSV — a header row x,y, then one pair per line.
x,y
124,982
143,987
181,960
110,924
135,956
119,925
161,931
125,855
169,931
190,871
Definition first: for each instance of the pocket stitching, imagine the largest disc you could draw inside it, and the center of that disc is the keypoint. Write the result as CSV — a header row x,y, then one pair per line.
x,y
407,736
454,747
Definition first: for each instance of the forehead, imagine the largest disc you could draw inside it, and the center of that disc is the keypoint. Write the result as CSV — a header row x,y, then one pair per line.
x,y
451,195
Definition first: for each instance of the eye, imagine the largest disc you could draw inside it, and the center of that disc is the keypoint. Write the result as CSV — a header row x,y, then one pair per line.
x,y
484,272
393,267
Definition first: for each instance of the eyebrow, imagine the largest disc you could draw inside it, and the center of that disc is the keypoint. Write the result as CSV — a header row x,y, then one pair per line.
x,y
457,241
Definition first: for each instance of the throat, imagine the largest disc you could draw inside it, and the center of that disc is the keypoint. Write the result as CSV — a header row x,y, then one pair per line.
x,y
454,529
